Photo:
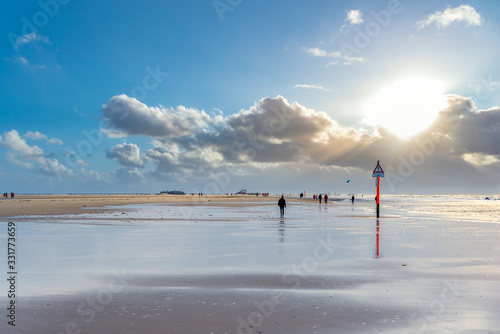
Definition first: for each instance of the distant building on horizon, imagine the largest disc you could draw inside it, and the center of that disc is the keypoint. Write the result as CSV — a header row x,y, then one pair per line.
x,y
173,192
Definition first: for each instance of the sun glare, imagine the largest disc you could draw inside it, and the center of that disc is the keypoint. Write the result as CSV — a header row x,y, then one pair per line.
x,y
406,107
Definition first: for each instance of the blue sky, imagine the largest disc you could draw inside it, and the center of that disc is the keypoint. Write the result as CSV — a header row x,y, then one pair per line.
x,y
215,96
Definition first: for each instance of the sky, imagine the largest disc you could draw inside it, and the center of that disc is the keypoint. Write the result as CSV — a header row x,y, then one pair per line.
x,y
270,96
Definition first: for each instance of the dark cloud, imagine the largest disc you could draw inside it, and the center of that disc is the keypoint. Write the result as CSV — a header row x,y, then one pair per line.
x,y
132,117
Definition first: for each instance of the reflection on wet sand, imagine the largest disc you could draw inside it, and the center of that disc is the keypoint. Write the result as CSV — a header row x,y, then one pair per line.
x,y
281,230
378,240
216,269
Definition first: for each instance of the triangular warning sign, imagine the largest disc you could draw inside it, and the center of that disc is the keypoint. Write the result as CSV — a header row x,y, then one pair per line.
x,y
378,171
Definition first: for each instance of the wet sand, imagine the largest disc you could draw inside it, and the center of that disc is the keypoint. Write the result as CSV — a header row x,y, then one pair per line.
x,y
28,205
225,268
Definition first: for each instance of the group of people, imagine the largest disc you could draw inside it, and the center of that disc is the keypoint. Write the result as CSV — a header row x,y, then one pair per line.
x,y
321,197
6,195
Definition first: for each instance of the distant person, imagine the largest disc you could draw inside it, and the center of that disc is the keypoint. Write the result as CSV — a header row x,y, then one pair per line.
x,y
320,197
326,199
352,199
314,197
282,205
12,195
301,195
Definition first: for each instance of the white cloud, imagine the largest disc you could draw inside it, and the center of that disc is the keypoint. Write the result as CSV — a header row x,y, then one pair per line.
x,y
82,163
11,157
21,60
90,175
480,159
13,141
317,52
463,13
354,16
32,38
39,136
306,86
126,154
129,175
24,155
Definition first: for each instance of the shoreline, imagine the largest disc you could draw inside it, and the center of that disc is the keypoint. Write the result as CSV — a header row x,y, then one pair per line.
x,y
46,205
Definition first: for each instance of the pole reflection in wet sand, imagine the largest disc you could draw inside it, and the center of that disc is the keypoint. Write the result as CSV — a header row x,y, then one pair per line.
x,y
378,238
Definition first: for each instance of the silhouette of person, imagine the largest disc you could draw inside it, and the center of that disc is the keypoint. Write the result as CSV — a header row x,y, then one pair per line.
x,y
320,197
282,205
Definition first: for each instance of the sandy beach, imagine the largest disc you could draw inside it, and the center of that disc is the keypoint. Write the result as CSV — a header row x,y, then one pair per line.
x,y
231,265
29,205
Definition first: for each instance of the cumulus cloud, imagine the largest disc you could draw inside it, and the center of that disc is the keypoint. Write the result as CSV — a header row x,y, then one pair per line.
x,y
274,133
317,52
271,131
31,157
468,129
463,13
126,154
354,16
39,136
132,117
129,175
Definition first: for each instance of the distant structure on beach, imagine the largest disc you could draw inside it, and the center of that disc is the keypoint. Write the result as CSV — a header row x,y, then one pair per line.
x,y
245,192
173,192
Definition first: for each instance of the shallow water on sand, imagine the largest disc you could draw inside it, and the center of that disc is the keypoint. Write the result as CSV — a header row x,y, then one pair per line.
x,y
418,249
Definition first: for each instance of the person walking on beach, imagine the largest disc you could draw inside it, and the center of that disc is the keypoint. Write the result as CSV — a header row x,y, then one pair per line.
x,y
282,205
320,197
352,199
326,199
11,195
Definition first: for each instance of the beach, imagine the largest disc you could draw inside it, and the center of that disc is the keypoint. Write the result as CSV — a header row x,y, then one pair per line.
x,y
229,264
28,205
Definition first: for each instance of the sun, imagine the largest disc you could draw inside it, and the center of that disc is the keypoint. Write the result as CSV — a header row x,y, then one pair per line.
x,y
406,107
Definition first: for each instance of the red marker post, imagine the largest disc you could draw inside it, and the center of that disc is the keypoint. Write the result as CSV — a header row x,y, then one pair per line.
x,y
378,172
